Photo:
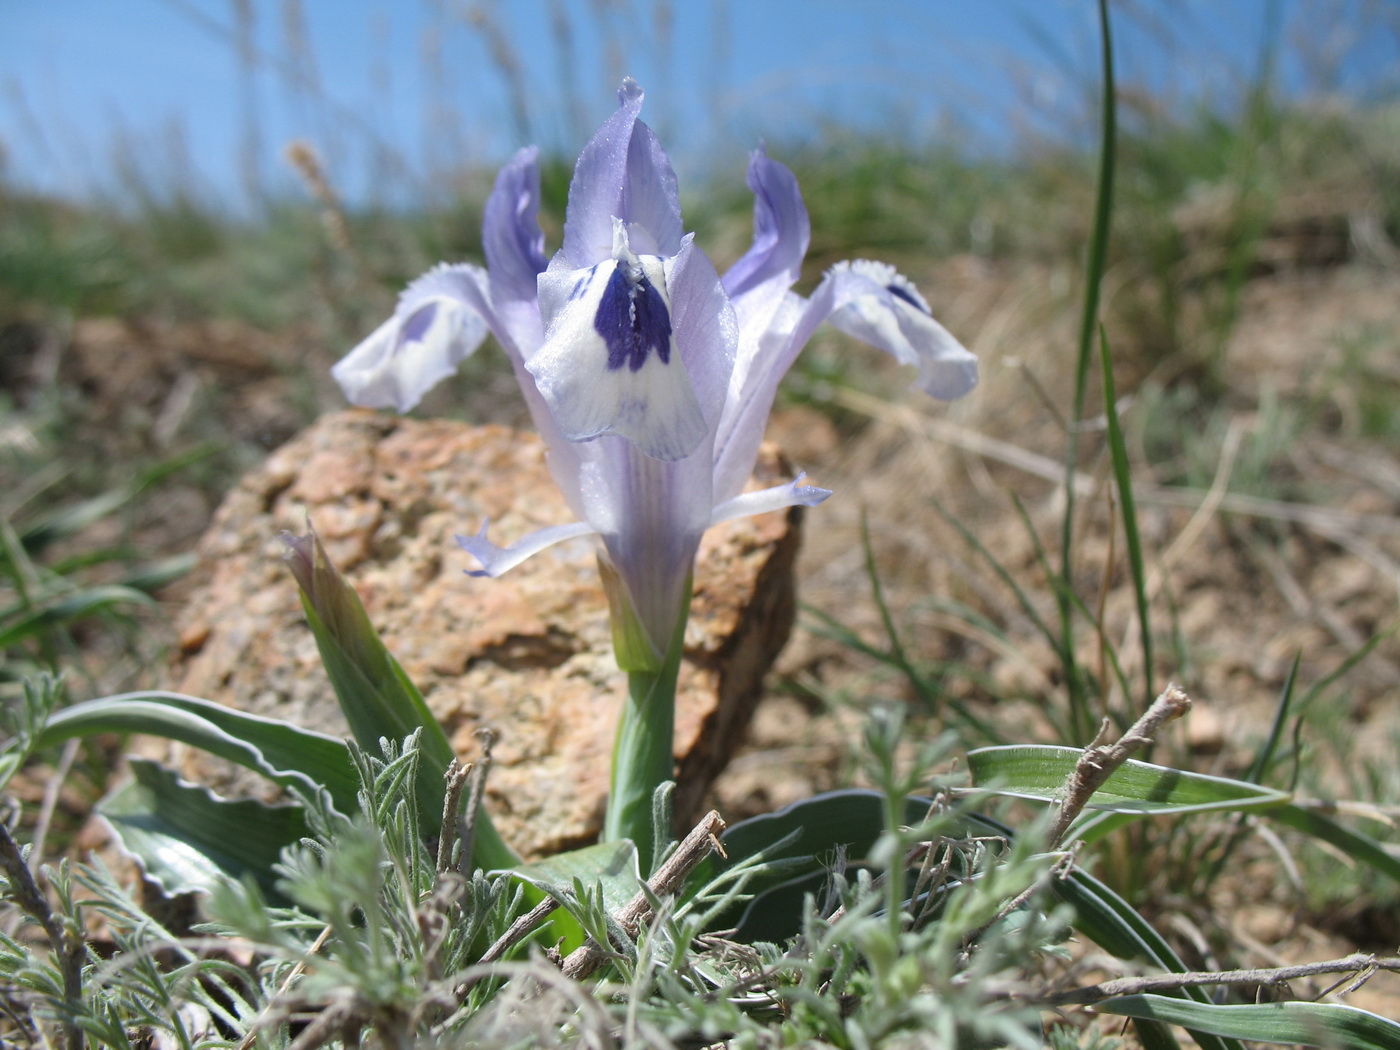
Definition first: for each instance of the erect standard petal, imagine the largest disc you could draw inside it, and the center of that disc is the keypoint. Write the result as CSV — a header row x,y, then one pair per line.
x,y
609,363
705,328
496,560
622,173
511,234
441,319
781,232
887,311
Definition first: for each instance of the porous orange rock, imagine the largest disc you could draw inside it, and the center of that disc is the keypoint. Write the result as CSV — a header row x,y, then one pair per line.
x,y
528,654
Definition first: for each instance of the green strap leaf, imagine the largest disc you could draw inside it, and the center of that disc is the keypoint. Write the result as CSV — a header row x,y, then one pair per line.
x,y
1039,772
1111,923
76,606
611,864
1354,844
376,695
282,752
189,840
798,843
1306,1024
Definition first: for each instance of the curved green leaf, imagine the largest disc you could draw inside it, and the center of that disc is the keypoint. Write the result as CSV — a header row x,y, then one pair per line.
x,y
799,843
1306,1024
613,865
1114,925
1354,844
282,752
1039,771
188,839
71,607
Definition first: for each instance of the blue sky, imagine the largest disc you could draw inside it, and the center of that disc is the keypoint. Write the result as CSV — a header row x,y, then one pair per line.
x,y
100,95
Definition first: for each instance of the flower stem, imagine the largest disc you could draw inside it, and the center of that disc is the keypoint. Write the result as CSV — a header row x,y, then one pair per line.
x,y
643,756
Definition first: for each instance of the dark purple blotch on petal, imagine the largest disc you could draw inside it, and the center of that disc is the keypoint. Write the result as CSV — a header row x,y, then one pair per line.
x,y
901,293
418,324
633,320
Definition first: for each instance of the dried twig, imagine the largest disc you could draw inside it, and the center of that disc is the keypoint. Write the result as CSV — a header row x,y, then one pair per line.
x,y
1094,767
1098,761
269,1013
667,880
1360,963
487,736
456,780
518,929
67,944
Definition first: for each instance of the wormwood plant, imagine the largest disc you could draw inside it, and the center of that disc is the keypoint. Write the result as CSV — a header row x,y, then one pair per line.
x,y
381,908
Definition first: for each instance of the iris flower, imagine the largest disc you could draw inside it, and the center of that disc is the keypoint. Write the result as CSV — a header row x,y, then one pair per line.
x,y
649,376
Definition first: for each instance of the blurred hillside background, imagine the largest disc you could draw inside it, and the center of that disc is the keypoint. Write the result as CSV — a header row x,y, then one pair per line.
x,y
204,203
196,99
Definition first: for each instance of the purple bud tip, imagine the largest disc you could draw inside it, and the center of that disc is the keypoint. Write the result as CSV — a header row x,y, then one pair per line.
x,y
301,558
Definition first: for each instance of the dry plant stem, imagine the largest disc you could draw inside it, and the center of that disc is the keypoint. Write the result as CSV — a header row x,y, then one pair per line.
x,y
1360,963
667,880
252,1037
477,775
50,803
456,779
1328,522
518,929
71,950
325,1026
1098,761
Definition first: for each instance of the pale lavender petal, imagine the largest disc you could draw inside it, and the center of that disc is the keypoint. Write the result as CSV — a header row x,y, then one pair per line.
x,y
764,358
876,304
650,515
781,230
651,204
779,497
496,560
511,233
706,330
440,321
892,315
622,173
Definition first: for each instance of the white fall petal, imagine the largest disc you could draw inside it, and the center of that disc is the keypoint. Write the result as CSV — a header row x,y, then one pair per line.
x,y
609,363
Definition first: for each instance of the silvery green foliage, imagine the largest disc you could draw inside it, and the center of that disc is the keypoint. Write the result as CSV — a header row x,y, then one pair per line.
x,y
377,941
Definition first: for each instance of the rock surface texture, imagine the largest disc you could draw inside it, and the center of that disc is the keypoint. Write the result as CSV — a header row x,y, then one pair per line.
x,y
528,654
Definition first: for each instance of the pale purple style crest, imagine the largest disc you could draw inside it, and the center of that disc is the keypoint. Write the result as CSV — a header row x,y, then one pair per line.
x,y
649,376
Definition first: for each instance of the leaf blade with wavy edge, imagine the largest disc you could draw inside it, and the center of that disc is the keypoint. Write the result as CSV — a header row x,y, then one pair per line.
x,y
809,833
284,753
188,839
1308,1024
